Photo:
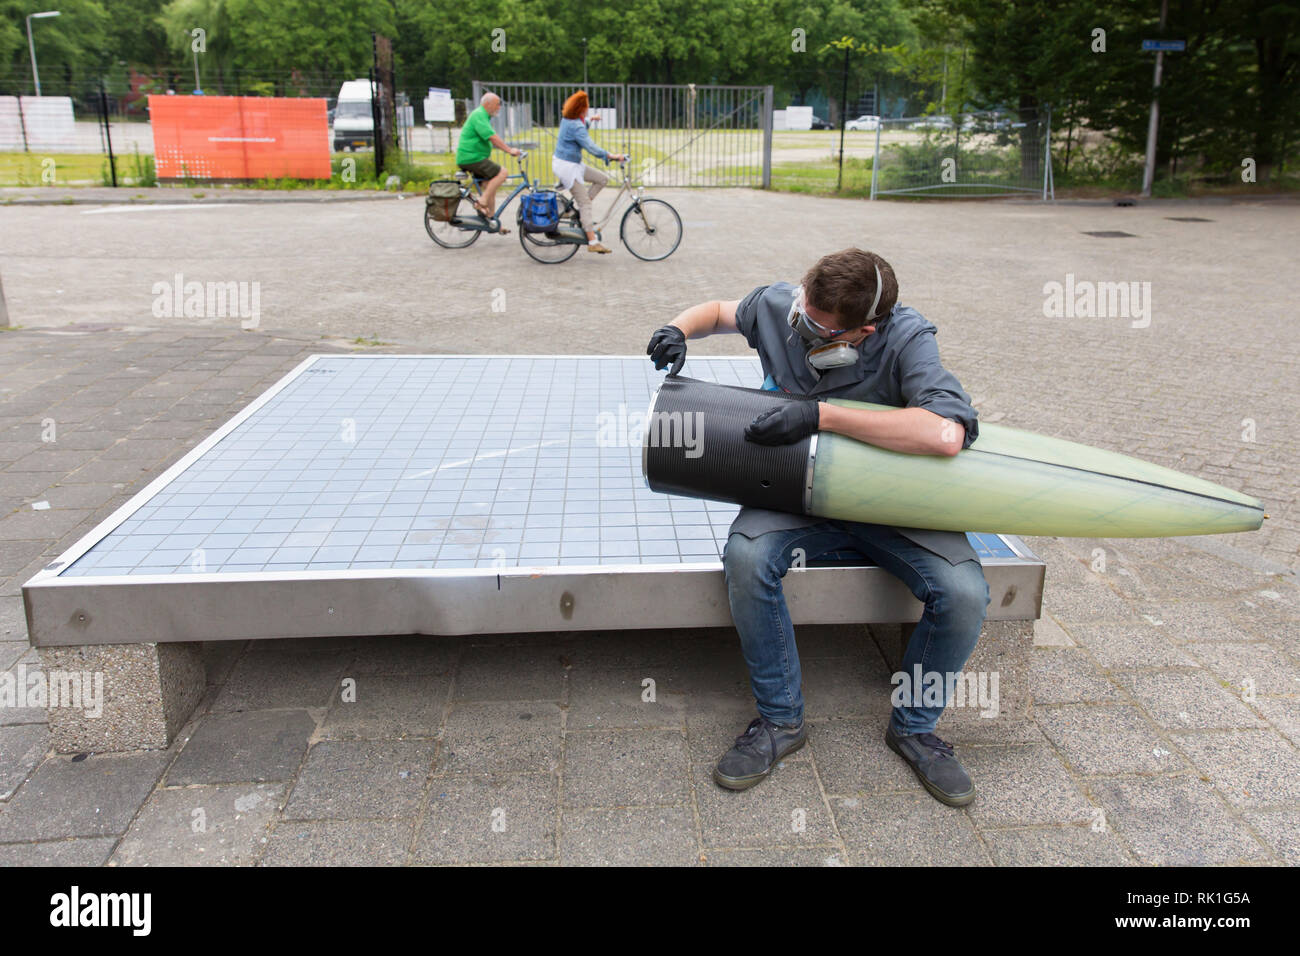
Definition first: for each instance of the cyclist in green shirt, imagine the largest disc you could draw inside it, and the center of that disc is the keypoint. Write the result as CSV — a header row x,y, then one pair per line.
x,y
477,137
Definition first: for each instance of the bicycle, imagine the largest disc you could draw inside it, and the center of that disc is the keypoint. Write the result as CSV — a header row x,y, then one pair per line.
x,y
467,223
651,229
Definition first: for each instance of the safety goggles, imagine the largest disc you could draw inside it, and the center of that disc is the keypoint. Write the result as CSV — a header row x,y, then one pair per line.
x,y
812,331
809,329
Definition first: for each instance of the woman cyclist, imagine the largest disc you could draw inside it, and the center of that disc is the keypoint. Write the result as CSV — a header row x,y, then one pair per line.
x,y
581,181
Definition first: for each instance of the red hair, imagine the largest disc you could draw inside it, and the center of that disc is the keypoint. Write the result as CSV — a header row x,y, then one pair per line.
x,y
576,105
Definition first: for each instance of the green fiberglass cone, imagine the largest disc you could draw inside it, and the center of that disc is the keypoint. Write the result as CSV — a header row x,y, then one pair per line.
x,y
1009,481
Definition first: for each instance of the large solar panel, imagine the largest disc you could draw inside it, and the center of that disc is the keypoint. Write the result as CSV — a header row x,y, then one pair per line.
x,y
368,462
371,494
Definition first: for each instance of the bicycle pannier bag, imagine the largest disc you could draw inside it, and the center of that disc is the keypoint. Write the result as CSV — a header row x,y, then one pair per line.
x,y
539,211
443,198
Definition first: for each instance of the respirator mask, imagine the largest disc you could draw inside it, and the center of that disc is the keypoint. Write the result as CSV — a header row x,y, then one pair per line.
x,y
823,353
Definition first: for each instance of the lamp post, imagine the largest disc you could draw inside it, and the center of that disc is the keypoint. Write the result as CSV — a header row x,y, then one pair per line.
x,y
844,112
584,62
31,45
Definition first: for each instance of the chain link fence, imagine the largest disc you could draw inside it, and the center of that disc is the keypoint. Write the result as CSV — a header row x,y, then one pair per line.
x,y
66,135
967,156
97,131
972,154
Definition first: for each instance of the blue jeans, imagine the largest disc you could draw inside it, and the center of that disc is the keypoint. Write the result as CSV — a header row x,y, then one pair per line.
x,y
955,599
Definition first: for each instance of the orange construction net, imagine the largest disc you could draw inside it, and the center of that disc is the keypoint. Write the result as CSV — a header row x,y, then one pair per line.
x,y
240,137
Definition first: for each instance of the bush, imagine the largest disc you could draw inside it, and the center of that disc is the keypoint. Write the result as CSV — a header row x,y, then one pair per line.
x,y
364,170
1108,165
913,165
144,172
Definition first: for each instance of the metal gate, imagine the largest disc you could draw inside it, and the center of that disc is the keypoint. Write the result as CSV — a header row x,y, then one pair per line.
x,y
676,135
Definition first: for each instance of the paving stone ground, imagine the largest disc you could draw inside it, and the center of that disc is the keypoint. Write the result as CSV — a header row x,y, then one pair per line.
x,y
1166,719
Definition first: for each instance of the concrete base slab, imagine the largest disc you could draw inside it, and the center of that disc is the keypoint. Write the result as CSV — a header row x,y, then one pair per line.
x,y
134,696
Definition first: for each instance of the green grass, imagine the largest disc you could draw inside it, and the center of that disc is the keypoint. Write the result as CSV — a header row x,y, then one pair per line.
x,y
908,158
70,169
820,178
1108,171
351,171
75,169
138,170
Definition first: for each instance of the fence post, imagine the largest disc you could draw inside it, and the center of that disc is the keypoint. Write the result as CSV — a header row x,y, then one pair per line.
x,y
623,113
844,95
376,122
768,104
108,132
22,120
875,159
1051,180
1047,158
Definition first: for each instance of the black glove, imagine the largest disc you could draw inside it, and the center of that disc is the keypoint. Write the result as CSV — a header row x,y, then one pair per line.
x,y
668,345
785,424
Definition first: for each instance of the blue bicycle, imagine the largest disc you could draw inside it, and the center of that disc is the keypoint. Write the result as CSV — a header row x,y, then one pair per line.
x,y
456,223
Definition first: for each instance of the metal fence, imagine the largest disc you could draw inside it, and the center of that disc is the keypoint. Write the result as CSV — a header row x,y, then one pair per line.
x,y
73,134
972,154
677,135
97,130
94,131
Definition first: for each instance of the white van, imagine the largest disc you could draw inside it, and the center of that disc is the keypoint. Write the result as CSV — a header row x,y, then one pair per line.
x,y
354,122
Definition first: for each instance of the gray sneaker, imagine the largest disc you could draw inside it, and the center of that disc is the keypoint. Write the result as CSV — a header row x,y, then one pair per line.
x,y
756,752
935,765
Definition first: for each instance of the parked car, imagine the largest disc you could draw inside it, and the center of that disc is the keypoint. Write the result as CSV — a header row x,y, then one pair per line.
x,y
985,122
819,123
933,122
868,122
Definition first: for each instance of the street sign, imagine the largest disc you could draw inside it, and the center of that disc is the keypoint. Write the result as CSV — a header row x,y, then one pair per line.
x,y
439,106
1164,46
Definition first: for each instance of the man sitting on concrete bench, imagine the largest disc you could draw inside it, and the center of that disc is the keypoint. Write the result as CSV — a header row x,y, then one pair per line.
x,y
839,333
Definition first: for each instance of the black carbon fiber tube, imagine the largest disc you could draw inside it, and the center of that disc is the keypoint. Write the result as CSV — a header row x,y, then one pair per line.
x,y
695,445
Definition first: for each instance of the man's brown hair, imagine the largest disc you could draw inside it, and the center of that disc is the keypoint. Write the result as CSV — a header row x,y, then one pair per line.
x,y
844,282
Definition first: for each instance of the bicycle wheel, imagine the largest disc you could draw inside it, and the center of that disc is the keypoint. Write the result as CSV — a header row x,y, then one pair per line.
x,y
452,235
651,230
544,247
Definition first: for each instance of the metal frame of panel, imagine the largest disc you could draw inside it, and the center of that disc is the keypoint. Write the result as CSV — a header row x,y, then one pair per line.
x,y
206,606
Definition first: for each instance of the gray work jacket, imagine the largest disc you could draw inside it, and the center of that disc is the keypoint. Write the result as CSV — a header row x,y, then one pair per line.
x,y
897,365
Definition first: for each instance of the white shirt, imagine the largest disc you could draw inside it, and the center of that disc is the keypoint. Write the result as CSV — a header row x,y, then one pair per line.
x,y
567,171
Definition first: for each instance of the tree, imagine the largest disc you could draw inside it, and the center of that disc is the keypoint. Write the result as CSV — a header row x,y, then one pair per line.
x,y
265,41
69,50
1030,54
1235,90
135,37
876,27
